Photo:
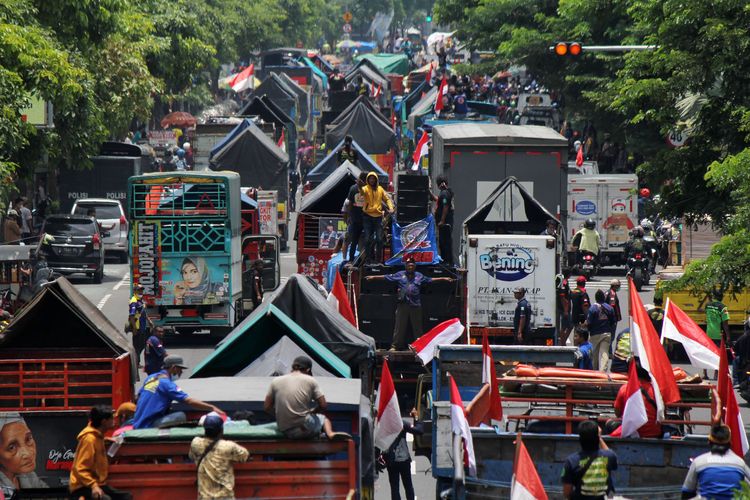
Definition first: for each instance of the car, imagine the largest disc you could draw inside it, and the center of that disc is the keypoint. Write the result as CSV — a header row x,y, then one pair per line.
x,y
111,219
73,244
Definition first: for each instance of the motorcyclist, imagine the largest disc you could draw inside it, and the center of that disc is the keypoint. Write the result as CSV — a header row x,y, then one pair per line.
x,y
635,243
587,239
652,243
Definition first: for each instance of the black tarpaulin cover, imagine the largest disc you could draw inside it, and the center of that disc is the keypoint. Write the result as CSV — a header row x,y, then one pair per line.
x,y
330,163
260,162
329,196
303,97
281,95
300,299
368,127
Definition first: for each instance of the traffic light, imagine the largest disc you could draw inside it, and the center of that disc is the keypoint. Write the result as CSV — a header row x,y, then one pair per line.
x,y
567,48
428,18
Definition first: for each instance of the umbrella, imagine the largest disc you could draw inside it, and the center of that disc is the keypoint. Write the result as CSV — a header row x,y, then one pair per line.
x,y
178,119
347,44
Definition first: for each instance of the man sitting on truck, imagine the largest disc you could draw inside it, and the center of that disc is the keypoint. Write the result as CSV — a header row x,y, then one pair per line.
x,y
157,394
297,402
652,428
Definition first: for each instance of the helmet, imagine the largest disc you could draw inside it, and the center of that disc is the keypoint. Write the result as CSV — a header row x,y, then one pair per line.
x,y
638,231
589,224
186,146
647,225
645,193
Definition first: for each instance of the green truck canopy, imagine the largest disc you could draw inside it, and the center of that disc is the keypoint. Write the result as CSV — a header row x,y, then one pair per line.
x,y
388,63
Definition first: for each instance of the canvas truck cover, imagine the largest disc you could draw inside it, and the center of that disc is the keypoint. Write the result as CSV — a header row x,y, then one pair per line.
x,y
366,126
476,157
330,163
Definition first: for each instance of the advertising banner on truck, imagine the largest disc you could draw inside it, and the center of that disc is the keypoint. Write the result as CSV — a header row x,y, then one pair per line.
x,y
191,280
268,217
146,257
416,240
497,265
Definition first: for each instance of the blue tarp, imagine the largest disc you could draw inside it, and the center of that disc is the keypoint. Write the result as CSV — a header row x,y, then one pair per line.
x,y
231,135
317,71
415,240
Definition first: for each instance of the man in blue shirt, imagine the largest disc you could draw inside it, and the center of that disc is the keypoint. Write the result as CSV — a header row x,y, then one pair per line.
x,y
601,321
409,308
157,394
719,473
155,351
521,316
583,355
138,321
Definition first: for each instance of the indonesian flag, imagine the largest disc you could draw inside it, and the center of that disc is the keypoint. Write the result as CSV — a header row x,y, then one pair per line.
x,y
489,376
460,427
442,90
579,157
388,423
377,91
339,299
444,333
681,328
420,151
646,345
634,414
282,141
525,484
730,409
244,79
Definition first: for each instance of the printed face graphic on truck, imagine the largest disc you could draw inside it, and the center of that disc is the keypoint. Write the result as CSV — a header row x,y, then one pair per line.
x,y
510,264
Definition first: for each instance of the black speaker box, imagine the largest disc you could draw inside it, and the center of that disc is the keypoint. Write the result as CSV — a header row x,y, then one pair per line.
x,y
408,214
413,182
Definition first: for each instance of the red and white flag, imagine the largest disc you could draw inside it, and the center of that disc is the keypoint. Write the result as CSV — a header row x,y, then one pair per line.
x,y
428,79
421,151
388,423
489,376
444,333
460,427
645,344
442,90
680,327
579,157
525,484
244,80
634,414
730,408
281,143
340,300
377,91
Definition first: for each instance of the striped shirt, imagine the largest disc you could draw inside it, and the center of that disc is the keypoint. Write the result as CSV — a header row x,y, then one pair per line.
x,y
716,476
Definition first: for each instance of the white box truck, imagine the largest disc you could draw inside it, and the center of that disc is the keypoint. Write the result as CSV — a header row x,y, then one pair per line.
x,y
496,265
612,201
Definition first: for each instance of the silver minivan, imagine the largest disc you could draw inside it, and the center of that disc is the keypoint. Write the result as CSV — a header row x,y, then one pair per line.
x,y
113,223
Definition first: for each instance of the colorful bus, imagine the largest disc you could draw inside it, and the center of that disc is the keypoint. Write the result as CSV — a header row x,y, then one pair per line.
x,y
186,248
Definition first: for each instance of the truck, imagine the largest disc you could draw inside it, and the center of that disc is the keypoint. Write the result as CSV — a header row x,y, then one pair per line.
x,y
475,158
107,177
612,202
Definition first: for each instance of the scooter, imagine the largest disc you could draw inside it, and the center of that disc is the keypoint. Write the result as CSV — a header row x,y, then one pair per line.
x,y
639,269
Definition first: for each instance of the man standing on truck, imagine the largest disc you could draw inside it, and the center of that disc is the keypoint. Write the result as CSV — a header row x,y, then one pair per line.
x,y
138,321
157,394
372,217
717,321
298,403
214,459
347,152
444,219
521,316
88,475
353,209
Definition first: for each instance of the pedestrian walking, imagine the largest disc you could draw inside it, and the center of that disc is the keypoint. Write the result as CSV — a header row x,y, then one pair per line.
x,y
138,321
601,322
294,179
579,301
521,316
155,352
718,474
88,475
12,228
583,354
298,403
214,459
717,321
612,298
398,459
409,306
25,217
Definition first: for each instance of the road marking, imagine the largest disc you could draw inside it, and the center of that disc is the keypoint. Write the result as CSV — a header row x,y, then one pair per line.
x,y
288,256
409,438
124,281
103,301
414,469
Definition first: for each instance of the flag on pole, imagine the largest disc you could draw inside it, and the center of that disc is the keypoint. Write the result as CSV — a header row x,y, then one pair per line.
x,y
681,328
377,91
421,151
282,141
579,156
489,376
525,484
243,80
440,93
460,427
646,345
634,414
444,333
339,299
730,410
388,423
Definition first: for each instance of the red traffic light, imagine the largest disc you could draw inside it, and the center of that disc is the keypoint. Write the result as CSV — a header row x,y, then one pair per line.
x,y
567,48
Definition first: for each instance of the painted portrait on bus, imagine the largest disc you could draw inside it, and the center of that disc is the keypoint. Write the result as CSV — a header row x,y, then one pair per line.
x,y
17,455
195,284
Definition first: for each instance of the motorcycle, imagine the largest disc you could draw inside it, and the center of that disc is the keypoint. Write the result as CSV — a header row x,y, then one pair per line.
x,y
588,264
639,269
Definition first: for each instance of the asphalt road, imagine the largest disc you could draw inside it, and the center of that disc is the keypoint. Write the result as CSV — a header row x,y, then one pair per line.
x,y
112,296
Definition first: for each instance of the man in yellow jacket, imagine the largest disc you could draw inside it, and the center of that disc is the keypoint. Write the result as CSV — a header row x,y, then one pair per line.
x,y
88,476
372,216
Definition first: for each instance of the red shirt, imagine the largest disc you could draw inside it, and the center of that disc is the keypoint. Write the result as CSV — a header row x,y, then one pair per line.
x,y
651,429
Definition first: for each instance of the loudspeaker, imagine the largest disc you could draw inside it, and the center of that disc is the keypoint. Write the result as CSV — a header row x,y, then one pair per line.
x,y
407,214
413,182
